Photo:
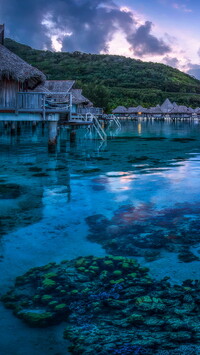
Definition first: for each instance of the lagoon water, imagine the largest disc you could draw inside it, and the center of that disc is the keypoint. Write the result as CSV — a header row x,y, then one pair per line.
x,y
136,195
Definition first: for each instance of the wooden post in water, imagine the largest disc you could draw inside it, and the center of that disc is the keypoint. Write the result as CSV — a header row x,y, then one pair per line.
x,y
53,131
18,128
34,125
72,136
13,128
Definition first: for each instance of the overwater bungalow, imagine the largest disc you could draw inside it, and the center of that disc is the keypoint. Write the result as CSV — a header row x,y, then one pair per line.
x,y
167,110
135,111
61,92
155,112
15,76
167,106
19,99
120,111
26,95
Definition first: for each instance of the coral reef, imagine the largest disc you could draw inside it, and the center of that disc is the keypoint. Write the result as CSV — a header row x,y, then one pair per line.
x,y
145,231
111,306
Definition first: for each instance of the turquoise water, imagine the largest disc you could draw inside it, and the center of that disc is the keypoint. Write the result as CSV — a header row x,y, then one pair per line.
x,y
136,195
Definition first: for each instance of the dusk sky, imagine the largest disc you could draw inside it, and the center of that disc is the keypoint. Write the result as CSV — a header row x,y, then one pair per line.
x,y
164,31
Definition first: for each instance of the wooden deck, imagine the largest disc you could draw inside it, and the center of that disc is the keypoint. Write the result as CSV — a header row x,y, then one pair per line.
x,y
39,104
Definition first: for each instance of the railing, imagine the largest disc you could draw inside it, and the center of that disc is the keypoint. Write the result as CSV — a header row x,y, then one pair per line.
x,y
77,117
43,102
93,110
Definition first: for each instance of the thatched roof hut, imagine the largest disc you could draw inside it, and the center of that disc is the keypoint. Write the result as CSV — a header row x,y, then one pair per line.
x,y
155,110
63,88
140,109
131,110
59,85
175,110
79,99
120,109
175,104
190,110
183,109
167,106
14,68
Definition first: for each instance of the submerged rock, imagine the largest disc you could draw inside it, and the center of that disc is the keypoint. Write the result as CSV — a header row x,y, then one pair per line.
x,y
145,231
11,191
110,304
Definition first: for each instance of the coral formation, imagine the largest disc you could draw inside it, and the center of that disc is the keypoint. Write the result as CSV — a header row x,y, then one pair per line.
x,y
145,230
111,306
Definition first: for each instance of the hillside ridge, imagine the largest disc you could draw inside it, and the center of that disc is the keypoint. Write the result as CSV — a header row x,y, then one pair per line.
x,y
112,80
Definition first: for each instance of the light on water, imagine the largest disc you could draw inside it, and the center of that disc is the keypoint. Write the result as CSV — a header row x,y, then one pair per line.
x,y
136,196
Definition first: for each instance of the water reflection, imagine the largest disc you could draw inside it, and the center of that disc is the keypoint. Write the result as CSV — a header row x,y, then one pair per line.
x,y
136,195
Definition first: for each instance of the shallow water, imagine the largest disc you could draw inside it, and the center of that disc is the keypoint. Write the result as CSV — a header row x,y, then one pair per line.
x,y
136,195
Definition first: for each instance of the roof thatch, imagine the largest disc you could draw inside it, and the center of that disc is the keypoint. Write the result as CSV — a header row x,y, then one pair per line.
x,y
183,109
120,109
140,109
59,85
63,88
175,110
14,68
167,106
53,86
175,104
132,110
78,98
155,110
41,88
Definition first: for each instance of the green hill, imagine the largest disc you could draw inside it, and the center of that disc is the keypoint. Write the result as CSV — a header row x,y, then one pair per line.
x,y
110,80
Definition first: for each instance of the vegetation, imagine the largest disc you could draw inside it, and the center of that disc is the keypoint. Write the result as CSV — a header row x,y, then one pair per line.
x,y
110,80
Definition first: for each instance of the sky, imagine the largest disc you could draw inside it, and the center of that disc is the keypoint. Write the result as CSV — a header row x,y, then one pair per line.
x,y
165,31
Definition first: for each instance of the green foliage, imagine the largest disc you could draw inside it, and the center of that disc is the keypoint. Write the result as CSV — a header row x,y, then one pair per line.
x,y
110,80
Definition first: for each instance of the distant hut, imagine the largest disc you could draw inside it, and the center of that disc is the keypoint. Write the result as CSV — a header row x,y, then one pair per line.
x,y
190,110
140,110
131,110
175,112
183,109
155,111
175,104
15,75
197,110
167,106
120,111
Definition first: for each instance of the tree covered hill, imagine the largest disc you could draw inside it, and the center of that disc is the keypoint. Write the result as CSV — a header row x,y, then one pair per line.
x,y
111,80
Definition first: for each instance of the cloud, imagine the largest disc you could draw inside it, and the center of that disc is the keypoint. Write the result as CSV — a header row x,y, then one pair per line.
x,y
171,61
77,25
181,7
144,43
194,70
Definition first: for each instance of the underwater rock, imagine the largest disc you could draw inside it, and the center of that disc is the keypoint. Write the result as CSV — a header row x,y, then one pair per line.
x,y
187,256
145,231
10,191
35,169
111,306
